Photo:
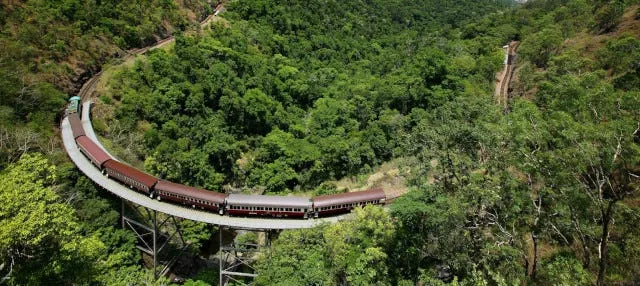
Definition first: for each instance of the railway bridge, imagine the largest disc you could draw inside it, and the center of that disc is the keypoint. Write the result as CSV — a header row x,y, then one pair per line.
x,y
93,173
150,233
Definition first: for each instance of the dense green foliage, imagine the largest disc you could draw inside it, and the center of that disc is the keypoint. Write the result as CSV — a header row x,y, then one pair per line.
x,y
284,96
57,228
526,195
50,47
353,252
44,240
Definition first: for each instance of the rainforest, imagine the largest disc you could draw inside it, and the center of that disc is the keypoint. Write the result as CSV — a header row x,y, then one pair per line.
x,y
505,135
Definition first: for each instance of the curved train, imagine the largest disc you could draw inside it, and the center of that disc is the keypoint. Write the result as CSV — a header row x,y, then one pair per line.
x,y
231,204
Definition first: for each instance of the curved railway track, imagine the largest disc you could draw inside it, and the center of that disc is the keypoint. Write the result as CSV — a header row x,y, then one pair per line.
x,y
502,89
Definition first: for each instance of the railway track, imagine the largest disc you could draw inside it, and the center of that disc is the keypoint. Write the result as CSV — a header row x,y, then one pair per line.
x,y
502,89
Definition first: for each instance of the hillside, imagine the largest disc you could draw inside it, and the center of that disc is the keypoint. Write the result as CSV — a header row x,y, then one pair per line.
x,y
49,48
320,97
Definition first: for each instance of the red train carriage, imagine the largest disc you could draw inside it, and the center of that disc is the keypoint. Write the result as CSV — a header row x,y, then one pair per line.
x,y
130,176
277,206
96,155
343,203
76,125
190,196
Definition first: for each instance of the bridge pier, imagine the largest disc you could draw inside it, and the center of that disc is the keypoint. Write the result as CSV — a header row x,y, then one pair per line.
x,y
153,234
235,259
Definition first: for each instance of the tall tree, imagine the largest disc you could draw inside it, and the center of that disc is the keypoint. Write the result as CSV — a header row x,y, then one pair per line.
x,y
40,239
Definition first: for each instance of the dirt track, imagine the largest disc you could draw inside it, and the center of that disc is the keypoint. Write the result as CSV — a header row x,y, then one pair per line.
x,y
505,76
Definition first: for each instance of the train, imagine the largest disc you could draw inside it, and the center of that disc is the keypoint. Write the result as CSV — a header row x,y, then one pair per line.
x,y
223,204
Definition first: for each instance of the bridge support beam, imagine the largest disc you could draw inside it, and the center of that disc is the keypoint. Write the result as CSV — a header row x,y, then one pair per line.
x,y
153,234
236,258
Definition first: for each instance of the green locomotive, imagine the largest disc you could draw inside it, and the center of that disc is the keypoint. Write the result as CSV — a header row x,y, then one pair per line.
x,y
74,105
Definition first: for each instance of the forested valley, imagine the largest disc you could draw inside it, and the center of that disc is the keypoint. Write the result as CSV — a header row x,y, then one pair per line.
x,y
295,97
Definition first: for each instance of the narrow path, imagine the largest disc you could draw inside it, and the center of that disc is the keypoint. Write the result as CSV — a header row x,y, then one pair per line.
x,y
505,76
